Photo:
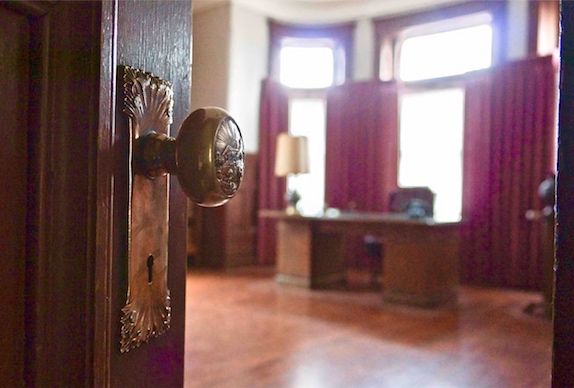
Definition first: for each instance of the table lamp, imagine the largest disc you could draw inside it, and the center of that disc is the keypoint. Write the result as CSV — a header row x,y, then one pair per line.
x,y
291,158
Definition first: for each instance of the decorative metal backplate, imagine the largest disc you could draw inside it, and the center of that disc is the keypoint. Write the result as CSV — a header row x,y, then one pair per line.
x,y
148,103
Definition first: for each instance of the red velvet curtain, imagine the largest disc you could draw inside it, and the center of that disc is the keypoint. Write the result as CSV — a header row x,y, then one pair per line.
x,y
509,148
361,159
273,119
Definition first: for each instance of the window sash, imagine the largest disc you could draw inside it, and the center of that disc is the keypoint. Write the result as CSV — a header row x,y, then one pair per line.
x,y
388,31
439,214
340,34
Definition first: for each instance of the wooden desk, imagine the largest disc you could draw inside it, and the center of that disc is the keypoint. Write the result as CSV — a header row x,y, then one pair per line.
x,y
420,264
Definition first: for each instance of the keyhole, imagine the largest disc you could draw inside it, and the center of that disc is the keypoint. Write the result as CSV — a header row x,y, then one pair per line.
x,y
149,269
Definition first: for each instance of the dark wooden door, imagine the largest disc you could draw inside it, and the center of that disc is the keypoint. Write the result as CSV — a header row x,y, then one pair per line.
x,y
50,61
14,40
563,357
156,37
63,207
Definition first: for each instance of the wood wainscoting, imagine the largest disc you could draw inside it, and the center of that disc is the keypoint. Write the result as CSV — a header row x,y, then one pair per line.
x,y
224,237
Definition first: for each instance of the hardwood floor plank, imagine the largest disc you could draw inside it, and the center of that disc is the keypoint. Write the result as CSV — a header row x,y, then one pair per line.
x,y
244,330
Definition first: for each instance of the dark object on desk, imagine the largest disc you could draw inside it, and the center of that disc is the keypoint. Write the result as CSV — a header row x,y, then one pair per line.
x,y
403,198
292,198
418,208
415,202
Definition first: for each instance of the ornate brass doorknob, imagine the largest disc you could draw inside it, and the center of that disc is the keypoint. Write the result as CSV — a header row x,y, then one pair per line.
x,y
207,156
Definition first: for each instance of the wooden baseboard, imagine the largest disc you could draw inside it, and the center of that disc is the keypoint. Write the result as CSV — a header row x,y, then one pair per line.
x,y
291,280
432,300
314,282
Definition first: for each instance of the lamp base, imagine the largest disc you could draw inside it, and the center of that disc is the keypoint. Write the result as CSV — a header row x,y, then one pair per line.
x,y
292,210
293,198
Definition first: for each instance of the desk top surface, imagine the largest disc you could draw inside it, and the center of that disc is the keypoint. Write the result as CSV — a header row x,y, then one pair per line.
x,y
354,217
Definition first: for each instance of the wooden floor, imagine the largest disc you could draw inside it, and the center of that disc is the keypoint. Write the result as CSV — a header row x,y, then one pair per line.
x,y
243,330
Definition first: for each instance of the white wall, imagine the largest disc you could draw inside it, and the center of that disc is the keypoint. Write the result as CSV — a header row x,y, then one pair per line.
x,y
230,44
517,34
210,63
231,49
248,66
364,61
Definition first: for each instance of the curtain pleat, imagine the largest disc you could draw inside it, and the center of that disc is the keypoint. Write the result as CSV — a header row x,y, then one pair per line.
x,y
273,120
362,152
509,149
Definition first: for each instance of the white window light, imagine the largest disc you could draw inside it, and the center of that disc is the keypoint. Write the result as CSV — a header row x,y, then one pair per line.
x,y
430,147
306,66
446,53
307,118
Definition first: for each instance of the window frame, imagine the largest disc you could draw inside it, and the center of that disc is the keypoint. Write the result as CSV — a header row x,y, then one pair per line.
x,y
301,94
449,25
341,35
341,39
389,31
543,27
417,87
338,76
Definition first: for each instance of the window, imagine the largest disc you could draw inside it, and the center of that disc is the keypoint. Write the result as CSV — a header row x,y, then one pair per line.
x,y
308,68
292,47
308,60
446,53
432,26
307,118
430,147
431,114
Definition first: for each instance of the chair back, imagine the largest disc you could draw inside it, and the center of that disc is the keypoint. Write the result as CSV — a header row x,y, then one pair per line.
x,y
404,200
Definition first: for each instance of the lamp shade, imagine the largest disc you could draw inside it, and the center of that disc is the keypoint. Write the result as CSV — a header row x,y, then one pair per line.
x,y
292,155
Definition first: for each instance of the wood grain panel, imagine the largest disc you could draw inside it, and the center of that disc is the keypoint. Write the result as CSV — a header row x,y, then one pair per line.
x,y
154,36
424,274
62,277
67,163
61,62
226,235
14,67
241,219
562,371
420,260
294,251
105,200
328,265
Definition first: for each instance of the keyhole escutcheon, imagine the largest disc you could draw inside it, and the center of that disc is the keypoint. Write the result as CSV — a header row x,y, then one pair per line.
x,y
149,264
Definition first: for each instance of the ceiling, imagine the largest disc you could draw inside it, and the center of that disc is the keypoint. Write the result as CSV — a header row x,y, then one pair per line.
x,y
316,11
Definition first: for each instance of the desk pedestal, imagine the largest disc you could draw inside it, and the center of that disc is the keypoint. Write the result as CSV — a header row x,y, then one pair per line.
x,y
420,259
308,259
421,273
